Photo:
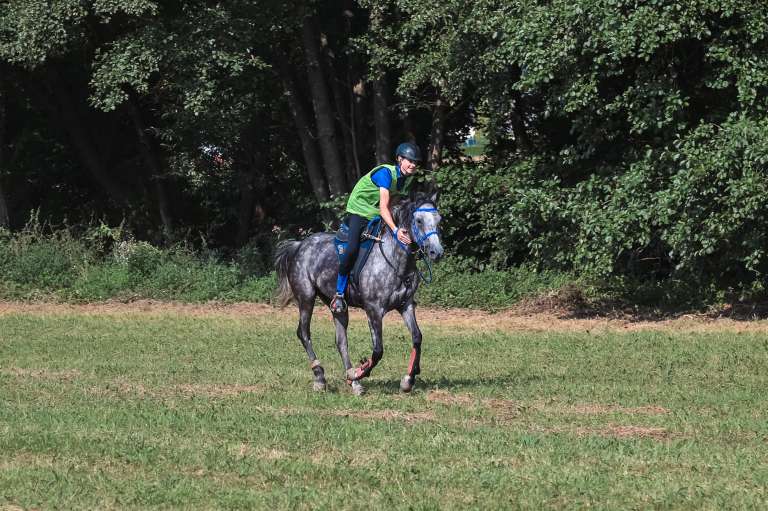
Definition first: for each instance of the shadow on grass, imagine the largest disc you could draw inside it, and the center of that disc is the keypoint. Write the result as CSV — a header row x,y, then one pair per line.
x,y
646,301
445,383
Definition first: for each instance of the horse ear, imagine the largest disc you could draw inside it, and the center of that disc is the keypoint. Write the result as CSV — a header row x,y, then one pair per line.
x,y
434,197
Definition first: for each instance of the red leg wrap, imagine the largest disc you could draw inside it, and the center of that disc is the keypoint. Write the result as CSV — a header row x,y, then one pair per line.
x,y
412,362
364,369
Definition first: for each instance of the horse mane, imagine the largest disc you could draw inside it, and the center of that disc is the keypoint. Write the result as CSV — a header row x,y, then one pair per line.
x,y
403,211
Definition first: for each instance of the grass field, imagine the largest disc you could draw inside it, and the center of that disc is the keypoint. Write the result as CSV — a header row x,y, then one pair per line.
x,y
170,409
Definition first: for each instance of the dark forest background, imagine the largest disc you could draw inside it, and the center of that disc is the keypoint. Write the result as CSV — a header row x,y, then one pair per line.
x,y
621,139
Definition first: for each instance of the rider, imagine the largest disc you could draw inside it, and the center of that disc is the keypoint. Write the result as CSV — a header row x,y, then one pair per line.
x,y
370,198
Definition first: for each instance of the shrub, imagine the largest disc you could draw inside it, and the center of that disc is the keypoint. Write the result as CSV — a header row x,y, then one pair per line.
x,y
38,261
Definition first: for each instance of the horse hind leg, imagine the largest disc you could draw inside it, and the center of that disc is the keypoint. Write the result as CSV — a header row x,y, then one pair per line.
x,y
302,332
341,320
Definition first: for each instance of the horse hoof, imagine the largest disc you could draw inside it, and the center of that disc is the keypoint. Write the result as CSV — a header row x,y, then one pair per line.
x,y
407,383
357,388
351,374
319,386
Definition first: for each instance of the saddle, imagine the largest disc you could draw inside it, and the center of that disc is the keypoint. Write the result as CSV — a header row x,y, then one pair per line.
x,y
368,237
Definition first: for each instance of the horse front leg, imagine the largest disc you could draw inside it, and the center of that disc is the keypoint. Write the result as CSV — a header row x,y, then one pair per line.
x,y
365,368
408,312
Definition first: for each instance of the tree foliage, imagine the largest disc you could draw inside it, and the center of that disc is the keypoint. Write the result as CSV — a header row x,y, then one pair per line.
x,y
625,137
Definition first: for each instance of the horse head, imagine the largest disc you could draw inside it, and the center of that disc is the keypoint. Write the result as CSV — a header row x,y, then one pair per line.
x,y
419,215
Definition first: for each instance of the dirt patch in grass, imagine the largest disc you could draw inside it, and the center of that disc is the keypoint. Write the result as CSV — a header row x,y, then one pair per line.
x,y
326,456
42,374
184,390
597,409
27,460
139,307
272,454
504,409
638,431
447,398
523,319
501,408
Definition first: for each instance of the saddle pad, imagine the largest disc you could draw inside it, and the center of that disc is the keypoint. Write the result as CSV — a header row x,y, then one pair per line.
x,y
372,230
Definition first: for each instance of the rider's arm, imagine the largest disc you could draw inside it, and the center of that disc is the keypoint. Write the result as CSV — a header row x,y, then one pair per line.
x,y
386,215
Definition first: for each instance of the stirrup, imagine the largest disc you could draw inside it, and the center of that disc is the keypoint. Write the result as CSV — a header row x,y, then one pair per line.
x,y
338,304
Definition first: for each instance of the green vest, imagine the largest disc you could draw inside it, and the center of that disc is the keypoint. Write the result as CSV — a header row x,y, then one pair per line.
x,y
364,200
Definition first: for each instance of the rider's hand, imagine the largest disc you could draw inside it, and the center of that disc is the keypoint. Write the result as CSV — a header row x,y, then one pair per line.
x,y
403,237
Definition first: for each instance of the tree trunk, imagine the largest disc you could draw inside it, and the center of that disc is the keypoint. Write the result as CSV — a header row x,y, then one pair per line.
x,y
5,220
352,170
437,136
324,114
303,127
381,121
74,125
155,172
246,182
358,100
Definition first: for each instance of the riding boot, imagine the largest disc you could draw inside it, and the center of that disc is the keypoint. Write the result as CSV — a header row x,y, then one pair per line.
x,y
338,305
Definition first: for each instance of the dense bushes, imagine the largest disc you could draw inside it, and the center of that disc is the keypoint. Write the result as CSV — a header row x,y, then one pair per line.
x,y
693,211
39,263
97,264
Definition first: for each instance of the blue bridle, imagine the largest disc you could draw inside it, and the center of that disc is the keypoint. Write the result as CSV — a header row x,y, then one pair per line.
x,y
419,239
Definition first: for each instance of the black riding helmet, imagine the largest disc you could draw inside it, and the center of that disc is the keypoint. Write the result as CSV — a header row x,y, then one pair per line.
x,y
408,150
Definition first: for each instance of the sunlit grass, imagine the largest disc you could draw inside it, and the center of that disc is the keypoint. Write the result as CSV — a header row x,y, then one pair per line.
x,y
214,412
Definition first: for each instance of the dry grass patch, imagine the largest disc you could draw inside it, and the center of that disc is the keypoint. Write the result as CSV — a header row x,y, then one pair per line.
x,y
615,431
504,409
22,460
447,398
556,406
272,454
325,456
635,432
597,409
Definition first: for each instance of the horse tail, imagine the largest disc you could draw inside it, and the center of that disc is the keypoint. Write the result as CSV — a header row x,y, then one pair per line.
x,y
284,255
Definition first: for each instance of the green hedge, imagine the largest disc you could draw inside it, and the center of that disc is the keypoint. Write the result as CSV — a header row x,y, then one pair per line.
x,y
39,263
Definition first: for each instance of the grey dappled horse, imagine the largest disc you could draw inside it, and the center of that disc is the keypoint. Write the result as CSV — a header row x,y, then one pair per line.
x,y
307,269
